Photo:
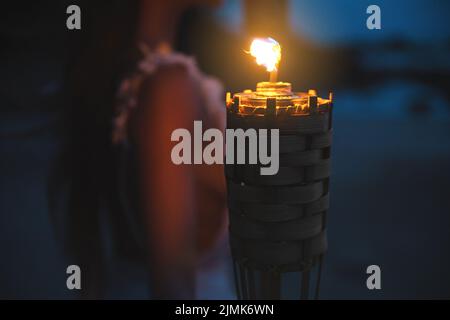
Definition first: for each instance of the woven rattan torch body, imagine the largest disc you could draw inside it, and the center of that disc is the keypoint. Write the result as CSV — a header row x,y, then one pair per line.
x,y
277,222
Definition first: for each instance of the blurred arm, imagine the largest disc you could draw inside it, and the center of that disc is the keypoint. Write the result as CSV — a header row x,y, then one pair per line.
x,y
167,102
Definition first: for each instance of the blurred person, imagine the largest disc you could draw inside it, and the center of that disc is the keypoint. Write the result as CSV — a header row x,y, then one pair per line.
x,y
91,136
183,206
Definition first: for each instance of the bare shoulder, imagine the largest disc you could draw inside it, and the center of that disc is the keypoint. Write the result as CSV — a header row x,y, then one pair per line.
x,y
166,100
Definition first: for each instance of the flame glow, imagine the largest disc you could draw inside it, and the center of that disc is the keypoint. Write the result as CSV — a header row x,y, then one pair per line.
x,y
267,53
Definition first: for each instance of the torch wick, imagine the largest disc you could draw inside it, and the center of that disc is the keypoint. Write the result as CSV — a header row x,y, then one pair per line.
x,y
273,76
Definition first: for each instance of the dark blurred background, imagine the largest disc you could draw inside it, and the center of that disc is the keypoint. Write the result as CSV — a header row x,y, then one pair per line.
x,y
390,194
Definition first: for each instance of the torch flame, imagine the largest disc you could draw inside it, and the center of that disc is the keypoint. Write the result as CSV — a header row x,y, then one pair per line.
x,y
267,53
